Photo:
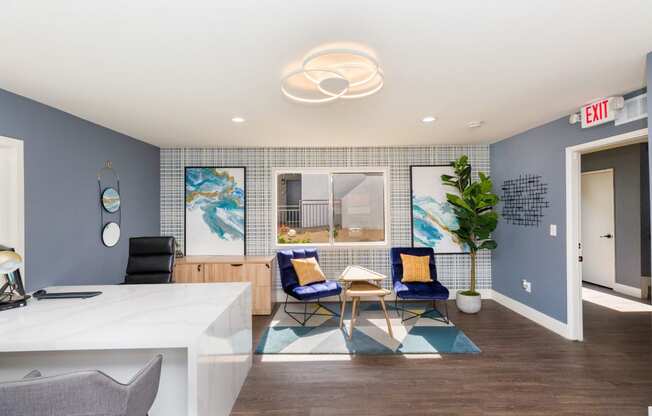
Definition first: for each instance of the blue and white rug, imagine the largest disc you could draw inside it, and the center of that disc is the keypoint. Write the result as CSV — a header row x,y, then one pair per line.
x,y
322,334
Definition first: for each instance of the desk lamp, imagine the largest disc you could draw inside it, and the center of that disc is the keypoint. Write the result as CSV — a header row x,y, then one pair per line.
x,y
10,292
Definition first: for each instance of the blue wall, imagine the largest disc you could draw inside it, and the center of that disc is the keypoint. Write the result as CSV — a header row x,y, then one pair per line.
x,y
63,154
530,252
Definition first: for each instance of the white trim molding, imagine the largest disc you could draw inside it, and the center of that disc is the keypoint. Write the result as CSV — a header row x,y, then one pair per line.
x,y
573,223
628,290
532,314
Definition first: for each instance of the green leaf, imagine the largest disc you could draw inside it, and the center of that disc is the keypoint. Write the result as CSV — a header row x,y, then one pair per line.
x,y
458,202
488,199
485,184
488,245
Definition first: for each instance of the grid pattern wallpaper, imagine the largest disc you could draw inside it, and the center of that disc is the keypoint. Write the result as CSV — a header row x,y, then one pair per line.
x,y
453,270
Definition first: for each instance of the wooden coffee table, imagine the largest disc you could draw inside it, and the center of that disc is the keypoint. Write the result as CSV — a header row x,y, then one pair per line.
x,y
360,282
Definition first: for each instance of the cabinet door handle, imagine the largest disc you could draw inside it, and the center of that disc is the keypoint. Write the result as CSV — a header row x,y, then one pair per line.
x,y
199,267
236,265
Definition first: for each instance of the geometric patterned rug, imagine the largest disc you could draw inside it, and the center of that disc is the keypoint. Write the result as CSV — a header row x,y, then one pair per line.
x,y
322,334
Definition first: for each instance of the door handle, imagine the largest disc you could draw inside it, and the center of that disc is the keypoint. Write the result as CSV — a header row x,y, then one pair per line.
x,y
606,236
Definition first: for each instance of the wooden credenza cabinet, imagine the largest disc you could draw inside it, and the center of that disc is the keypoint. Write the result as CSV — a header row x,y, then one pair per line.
x,y
259,270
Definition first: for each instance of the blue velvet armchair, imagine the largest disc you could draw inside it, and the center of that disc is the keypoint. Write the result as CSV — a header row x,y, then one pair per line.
x,y
417,291
312,293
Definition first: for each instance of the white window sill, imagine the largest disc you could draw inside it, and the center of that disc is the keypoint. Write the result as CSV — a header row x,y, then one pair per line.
x,y
327,246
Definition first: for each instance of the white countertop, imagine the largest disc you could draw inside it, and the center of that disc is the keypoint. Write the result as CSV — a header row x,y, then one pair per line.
x,y
122,317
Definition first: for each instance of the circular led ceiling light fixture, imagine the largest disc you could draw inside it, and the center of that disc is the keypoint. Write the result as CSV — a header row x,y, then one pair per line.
x,y
331,74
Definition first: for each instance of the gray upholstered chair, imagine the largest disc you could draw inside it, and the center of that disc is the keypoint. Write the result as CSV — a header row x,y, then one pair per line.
x,y
84,393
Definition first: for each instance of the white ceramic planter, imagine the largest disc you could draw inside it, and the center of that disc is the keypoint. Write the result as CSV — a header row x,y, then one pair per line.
x,y
468,304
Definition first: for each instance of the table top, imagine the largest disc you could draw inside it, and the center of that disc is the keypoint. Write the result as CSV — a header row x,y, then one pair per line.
x,y
122,317
224,259
360,274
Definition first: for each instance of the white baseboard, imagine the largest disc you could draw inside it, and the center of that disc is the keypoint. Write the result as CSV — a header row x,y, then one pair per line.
x,y
484,293
532,314
628,290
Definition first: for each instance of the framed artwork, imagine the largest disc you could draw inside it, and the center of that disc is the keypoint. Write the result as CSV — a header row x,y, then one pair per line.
x,y
432,216
215,211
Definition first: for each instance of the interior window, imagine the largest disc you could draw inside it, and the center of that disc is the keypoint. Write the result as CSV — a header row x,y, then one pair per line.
x,y
330,208
358,207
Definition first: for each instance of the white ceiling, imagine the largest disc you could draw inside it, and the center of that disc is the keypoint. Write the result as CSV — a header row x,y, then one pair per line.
x,y
174,73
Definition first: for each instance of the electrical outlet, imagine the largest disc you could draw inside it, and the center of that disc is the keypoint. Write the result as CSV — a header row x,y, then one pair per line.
x,y
553,230
527,285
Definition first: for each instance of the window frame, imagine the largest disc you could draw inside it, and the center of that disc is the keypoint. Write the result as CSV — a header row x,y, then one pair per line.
x,y
331,244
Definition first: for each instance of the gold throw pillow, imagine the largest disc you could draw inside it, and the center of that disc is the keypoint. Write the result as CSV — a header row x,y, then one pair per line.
x,y
415,268
308,271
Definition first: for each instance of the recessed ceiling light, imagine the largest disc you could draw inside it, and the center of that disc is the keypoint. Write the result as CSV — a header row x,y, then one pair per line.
x,y
428,119
475,124
238,120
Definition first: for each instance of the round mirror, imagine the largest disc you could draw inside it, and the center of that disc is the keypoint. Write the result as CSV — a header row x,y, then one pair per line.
x,y
111,200
111,234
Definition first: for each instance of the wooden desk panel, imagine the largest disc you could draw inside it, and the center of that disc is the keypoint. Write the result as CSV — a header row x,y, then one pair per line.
x,y
189,273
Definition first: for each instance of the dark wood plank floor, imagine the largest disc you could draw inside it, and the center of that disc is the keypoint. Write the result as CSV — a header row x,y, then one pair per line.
x,y
523,370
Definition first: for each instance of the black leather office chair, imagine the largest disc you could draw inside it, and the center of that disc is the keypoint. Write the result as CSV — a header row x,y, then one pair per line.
x,y
151,260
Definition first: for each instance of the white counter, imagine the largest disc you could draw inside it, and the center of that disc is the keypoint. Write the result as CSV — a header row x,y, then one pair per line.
x,y
202,330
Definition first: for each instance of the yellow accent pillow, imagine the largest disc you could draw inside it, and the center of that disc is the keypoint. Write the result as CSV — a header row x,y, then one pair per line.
x,y
415,268
308,271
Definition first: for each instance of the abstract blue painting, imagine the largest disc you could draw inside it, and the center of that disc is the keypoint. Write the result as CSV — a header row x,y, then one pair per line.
x,y
215,211
432,216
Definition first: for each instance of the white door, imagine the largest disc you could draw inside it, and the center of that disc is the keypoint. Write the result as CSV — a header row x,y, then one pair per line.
x,y
12,225
598,237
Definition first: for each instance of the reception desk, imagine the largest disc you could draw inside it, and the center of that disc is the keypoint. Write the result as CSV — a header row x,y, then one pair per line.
x,y
202,330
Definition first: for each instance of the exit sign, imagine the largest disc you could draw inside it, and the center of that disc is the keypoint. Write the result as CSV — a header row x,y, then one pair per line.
x,y
600,112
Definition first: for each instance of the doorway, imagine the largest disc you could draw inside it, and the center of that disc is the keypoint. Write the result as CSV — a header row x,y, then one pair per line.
x,y
598,228
12,208
600,234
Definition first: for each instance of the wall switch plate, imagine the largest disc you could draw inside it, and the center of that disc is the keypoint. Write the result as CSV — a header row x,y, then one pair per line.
x,y
526,285
553,230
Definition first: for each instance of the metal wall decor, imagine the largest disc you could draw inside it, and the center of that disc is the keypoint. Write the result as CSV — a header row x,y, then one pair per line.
x,y
524,199
109,205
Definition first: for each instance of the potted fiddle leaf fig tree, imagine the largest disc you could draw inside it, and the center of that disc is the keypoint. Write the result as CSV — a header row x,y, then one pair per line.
x,y
473,205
